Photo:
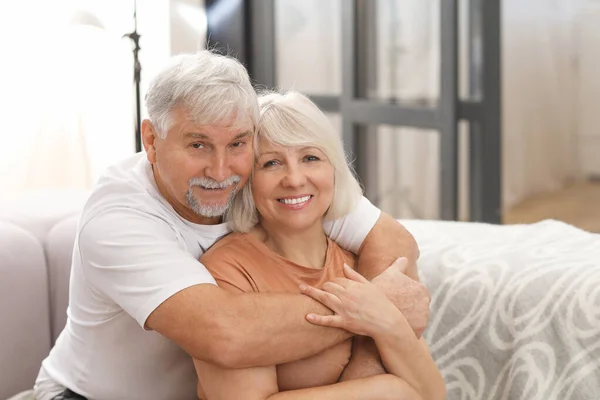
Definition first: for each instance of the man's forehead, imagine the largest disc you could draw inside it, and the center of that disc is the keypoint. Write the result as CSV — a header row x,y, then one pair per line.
x,y
188,123
215,132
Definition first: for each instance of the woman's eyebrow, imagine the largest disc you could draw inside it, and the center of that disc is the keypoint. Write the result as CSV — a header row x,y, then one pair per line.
x,y
309,148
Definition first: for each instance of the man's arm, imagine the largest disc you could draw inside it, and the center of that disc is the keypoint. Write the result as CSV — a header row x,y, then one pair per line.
x,y
375,237
135,260
378,239
243,330
386,242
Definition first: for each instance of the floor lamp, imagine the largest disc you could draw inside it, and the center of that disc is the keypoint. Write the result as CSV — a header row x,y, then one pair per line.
x,y
137,72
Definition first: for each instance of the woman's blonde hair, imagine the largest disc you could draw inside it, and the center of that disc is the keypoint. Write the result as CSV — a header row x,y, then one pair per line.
x,y
291,119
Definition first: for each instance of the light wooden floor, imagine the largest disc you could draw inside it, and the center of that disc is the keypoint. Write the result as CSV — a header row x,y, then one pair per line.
x,y
578,205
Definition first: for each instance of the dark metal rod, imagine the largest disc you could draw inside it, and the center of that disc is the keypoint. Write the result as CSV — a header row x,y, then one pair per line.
x,y
372,112
262,62
137,73
491,137
329,104
448,110
348,73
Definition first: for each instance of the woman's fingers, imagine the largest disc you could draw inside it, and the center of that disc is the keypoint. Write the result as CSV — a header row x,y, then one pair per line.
x,y
353,275
334,321
334,288
327,299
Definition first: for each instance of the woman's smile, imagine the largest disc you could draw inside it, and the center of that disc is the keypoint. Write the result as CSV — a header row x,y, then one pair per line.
x,y
295,202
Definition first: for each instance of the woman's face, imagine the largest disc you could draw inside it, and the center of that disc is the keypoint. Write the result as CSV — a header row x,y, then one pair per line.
x,y
292,186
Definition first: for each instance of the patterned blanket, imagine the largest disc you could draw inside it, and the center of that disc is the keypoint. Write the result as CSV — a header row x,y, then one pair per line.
x,y
515,310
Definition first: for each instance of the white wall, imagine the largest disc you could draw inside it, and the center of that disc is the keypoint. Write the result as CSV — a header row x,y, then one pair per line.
x,y
66,98
587,34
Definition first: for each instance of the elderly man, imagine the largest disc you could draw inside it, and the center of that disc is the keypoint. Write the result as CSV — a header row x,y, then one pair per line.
x,y
141,303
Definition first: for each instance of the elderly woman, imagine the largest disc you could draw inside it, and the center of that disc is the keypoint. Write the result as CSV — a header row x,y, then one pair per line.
x,y
300,178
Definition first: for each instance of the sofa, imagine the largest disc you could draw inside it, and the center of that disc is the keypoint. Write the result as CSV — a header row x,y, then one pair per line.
x,y
37,232
515,310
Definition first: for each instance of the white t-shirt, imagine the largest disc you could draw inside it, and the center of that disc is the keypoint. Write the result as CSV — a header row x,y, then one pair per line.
x,y
132,252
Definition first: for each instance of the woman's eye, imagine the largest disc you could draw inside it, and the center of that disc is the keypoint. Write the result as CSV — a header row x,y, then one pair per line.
x,y
311,158
270,163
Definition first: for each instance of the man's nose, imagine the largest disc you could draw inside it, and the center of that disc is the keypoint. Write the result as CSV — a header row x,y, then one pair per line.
x,y
294,177
218,169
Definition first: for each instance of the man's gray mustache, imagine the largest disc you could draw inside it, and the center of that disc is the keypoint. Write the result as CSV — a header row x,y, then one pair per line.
x,y
209,183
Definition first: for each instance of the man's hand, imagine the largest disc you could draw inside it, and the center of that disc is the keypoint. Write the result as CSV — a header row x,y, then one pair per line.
x,y
408,295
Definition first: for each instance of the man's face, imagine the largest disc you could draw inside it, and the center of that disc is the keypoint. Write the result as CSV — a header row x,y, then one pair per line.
x,y
198,169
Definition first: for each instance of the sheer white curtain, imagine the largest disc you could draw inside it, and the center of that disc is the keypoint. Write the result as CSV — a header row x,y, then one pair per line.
x,y
308,45
540,79
587,34
66,98
539,82
408,70
66,85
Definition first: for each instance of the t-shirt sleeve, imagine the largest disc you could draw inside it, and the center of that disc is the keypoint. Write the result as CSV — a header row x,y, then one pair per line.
x,y
225,265
350,231
136,260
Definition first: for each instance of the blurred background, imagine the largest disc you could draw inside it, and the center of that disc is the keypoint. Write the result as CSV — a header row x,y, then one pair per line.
x,y
472,110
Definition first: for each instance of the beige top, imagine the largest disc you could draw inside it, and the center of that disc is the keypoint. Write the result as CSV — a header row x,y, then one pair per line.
x,y
242,263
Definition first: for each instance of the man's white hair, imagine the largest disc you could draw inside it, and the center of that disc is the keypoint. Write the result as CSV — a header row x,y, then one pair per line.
x,y
213,89
291,119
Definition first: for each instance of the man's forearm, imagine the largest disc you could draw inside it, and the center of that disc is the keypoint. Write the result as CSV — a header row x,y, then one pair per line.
x,y
268,329
387,241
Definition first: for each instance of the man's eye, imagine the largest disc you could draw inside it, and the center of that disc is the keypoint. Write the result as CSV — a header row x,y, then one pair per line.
x,y
197,145
238,144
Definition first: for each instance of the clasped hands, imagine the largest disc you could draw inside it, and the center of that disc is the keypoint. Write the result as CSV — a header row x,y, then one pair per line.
x,y
370,308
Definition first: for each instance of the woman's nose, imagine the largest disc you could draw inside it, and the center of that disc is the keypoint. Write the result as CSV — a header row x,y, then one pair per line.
x,y
294,177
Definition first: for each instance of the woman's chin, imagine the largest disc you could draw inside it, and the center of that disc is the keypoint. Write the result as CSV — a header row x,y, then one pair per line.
x,y
303,227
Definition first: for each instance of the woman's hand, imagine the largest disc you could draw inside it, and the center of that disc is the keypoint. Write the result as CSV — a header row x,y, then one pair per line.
x,y
360,306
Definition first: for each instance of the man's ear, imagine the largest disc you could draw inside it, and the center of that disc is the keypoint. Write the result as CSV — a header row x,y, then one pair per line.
x,y
149,137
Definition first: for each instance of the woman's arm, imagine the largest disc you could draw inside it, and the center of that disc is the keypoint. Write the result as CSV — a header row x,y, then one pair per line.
x,y
380,387
401,355
364,310
408,357
365,360
261,384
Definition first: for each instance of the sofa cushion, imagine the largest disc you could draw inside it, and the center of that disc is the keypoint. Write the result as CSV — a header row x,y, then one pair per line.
x,y
24,314
38,212
59,252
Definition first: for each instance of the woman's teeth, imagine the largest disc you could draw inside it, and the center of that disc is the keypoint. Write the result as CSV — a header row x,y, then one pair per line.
x,y
298,200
